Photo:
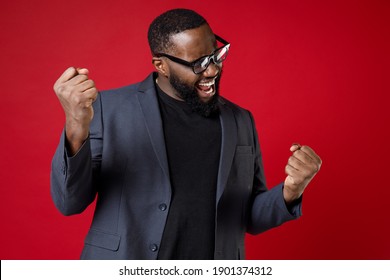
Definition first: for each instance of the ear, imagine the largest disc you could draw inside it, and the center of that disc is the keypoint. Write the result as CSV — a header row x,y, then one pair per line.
x,y
161,66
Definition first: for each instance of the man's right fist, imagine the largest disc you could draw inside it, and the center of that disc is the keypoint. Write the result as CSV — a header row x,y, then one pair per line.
x,y
76,93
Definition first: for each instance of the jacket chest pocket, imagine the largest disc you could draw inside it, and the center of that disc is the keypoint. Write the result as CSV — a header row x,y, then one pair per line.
x,y
243,165
241,173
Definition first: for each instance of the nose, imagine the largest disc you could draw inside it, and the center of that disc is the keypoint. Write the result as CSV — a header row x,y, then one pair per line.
x,y
212,70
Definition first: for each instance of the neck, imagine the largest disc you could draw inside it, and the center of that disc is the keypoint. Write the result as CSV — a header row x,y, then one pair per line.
x,y
166,87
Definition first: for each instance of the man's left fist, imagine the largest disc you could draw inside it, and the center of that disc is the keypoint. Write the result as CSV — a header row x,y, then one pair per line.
x,y
302,166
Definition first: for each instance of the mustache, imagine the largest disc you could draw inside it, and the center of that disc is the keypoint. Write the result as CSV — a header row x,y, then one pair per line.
x,y
209,79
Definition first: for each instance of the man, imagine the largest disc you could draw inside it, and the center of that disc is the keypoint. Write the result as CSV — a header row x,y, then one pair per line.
x,y
177,168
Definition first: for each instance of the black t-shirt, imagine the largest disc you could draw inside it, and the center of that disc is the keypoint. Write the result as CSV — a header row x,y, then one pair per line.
x,y
193,145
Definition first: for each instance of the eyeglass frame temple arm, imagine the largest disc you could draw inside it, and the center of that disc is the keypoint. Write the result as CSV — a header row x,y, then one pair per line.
x,y
221,39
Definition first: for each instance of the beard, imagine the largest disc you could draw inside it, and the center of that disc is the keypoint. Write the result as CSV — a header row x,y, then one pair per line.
x,y
190,95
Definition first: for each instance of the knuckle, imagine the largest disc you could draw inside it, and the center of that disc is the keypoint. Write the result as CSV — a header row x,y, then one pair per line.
x,y
61,89
316,167
307,173
76,99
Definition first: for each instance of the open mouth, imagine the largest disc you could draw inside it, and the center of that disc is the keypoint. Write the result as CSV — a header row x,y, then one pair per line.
x,y
206,87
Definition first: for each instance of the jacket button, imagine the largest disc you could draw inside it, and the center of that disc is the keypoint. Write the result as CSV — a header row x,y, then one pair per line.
x,y
153,247
162,207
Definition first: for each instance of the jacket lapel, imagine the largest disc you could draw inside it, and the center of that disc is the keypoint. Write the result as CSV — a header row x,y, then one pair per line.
x,y
228,146
147,97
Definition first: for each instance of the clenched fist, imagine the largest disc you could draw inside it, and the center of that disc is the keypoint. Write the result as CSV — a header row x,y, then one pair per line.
x,y
76,93
302,166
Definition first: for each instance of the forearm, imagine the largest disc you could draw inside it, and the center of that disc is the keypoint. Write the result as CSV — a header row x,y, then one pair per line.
x,y
75,134
290,197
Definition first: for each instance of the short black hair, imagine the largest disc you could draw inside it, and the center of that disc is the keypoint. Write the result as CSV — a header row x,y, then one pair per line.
x,y
170,23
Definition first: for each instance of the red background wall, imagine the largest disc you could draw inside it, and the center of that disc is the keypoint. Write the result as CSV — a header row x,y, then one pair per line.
x,y
316,72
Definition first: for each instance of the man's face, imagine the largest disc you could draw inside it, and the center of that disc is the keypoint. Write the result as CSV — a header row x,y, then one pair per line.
x,y
200,91
190,94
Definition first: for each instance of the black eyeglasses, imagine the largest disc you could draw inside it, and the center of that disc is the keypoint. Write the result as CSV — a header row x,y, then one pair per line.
x,y
200,65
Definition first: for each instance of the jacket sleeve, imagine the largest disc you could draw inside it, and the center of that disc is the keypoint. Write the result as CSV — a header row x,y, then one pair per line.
x,y
72,179
268,208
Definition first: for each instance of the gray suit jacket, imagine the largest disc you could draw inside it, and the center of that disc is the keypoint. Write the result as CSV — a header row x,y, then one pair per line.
x,y
124,163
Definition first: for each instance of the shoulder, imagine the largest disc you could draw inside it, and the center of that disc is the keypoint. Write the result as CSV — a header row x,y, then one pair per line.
x,y
116,92
126,92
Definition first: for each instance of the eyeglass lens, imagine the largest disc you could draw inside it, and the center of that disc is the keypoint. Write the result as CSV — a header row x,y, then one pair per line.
x,y
217,57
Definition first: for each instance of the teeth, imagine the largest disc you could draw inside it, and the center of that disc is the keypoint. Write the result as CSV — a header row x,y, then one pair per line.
x,y
210,90
209,84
